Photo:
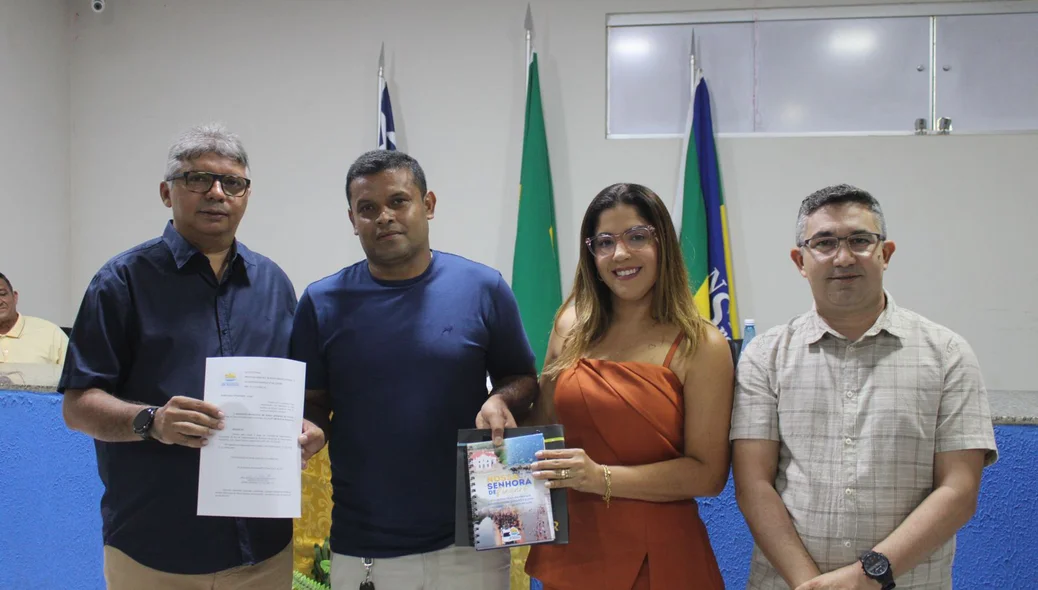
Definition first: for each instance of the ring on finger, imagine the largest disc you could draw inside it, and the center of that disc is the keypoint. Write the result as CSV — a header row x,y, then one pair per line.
x,y
563,473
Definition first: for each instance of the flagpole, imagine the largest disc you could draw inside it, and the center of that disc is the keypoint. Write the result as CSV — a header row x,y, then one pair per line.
x,y
529,44
677,211
378,100
692,65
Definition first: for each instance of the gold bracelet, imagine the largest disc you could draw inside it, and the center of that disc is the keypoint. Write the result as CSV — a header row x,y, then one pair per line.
x,y
609,485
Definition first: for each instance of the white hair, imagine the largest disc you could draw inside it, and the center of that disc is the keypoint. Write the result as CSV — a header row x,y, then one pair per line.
x,y
211,138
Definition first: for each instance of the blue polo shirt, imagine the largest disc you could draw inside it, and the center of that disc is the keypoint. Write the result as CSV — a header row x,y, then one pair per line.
x,y
148,320
405,364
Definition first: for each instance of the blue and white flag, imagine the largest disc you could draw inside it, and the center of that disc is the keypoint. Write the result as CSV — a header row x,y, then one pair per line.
x,y
386,129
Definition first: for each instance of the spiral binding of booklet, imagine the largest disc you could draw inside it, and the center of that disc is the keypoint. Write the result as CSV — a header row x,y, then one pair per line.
x,y
475,515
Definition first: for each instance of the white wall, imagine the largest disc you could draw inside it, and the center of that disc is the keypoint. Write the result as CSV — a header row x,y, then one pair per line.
x,y
297,80
34,155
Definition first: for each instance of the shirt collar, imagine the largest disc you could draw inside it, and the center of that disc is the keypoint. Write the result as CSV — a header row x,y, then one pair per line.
x,y
183,251
891,320
19,326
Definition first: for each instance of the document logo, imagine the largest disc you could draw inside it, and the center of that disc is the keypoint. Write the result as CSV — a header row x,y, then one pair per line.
x,y
230,380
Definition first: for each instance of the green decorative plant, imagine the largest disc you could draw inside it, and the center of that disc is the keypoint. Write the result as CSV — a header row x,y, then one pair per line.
x,y
301,581
322,568
320,573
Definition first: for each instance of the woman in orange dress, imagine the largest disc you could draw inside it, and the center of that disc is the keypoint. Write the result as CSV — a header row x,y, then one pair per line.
x,y
643,387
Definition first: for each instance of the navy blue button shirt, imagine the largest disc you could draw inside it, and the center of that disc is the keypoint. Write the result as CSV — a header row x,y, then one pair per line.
x,y
148,320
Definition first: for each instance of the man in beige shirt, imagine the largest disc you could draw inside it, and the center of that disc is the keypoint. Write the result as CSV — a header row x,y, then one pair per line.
x,y
860,428
25,339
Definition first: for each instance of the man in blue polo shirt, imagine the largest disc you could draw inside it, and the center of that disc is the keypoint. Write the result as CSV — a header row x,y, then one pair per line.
x,y
399,346
134,377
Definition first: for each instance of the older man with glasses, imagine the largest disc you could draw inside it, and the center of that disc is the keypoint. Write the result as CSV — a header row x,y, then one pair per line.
x,y
860,428
134,379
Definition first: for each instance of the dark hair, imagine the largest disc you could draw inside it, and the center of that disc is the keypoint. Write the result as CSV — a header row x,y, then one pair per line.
x,y
10,287
377,161
837,194
672,299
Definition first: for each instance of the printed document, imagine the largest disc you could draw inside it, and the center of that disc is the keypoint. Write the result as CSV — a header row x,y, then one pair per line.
x,y
251,468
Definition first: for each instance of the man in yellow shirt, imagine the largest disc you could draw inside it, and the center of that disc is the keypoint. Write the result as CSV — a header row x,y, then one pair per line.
x,y
25,339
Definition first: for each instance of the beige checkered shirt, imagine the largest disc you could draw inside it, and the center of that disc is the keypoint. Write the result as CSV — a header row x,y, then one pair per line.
x,y
859,424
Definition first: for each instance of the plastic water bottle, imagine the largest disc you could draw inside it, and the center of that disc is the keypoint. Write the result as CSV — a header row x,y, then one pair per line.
x,y
749,330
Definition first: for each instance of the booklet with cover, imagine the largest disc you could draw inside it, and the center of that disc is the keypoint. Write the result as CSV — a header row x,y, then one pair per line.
x,y
500,504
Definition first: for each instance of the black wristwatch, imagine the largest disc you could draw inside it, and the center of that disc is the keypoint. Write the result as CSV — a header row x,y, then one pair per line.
x,y
877,566
143,421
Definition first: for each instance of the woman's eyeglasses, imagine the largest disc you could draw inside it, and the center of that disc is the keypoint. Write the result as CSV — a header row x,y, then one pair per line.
x,y
635,238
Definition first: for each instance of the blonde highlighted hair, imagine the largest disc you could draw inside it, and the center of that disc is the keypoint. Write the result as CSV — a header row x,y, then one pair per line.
x,y
672,299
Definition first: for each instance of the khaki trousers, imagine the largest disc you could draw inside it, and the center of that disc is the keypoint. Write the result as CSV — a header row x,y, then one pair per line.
x,y
123,573
453,568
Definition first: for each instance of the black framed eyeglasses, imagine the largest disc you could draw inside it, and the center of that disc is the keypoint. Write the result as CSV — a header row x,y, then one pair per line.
x,y
202,182
635,238
859,243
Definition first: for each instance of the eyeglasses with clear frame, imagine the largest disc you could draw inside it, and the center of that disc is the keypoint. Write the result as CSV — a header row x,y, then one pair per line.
x,y
634,239
860,243
202,182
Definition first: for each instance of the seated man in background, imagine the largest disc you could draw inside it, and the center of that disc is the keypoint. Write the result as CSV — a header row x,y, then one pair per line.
x,y
26,339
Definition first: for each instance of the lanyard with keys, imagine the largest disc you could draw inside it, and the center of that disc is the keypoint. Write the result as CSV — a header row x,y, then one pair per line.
x,y
367,584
